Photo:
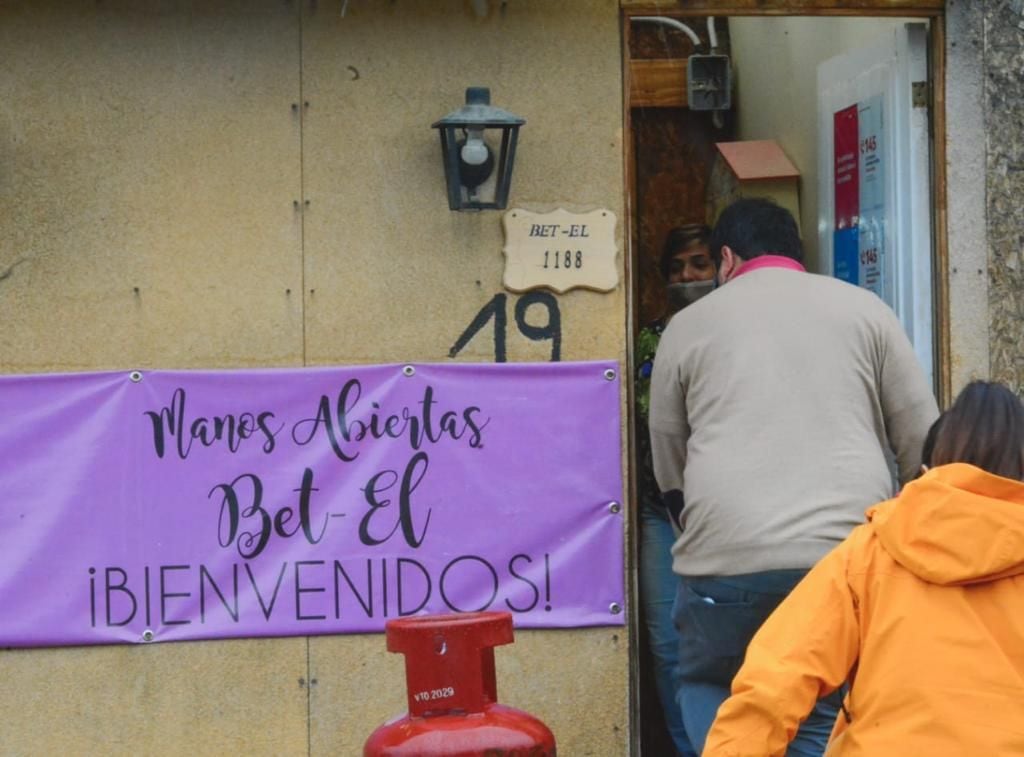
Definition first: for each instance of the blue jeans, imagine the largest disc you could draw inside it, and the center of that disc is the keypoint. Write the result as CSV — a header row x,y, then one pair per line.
x,y
658,593
717,617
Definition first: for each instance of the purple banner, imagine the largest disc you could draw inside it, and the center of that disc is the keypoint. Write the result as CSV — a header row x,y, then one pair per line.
x,y
162,505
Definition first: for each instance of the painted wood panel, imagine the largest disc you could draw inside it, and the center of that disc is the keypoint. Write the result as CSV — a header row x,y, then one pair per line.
x,y
148,162
241,184
393,275
150,159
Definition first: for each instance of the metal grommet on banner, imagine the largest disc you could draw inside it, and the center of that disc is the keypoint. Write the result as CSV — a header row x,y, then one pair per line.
x,y
614,507
609,374
147,635
614,608
135,376
408,371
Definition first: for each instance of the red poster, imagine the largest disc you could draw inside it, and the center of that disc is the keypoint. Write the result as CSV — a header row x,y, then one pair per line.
x,y
847,177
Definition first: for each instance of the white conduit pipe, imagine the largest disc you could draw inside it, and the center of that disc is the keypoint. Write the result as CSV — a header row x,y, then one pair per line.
x,y
712,37
666,21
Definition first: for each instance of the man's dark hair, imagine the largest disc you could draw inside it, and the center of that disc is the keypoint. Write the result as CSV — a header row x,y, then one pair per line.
x,y
755,226
984,427
680,239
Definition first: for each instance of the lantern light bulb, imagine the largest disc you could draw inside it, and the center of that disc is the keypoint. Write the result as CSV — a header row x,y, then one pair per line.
x,y
474,152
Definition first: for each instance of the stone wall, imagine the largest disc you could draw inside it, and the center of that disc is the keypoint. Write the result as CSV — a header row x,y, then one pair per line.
x,y
1003,28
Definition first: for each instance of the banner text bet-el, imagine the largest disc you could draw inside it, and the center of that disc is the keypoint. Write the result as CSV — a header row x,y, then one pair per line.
x,y
167,505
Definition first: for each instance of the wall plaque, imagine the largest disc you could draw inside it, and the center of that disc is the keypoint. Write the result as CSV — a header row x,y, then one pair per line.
x,y
560,250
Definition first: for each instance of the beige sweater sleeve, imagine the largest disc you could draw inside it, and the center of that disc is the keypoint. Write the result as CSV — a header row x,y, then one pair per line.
x,y
668,423
908,405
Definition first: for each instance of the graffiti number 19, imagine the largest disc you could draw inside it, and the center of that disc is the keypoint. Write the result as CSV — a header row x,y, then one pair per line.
x,y
497,309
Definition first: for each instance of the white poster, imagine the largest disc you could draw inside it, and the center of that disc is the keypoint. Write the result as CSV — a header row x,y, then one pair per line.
x,y
872,219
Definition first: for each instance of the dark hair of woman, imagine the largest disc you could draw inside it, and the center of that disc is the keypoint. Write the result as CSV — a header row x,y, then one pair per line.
x,y
984,427
928,447
680,239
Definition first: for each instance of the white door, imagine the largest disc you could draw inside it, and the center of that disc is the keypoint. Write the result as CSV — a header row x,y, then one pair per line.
x,y
874,193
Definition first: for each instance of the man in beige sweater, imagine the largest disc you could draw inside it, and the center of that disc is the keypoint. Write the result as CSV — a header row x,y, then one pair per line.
x,y
775,401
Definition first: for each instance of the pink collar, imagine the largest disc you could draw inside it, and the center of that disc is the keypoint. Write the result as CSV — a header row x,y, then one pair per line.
x,y
768,261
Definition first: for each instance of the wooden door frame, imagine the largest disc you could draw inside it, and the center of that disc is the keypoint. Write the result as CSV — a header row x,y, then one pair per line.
x,y
934,11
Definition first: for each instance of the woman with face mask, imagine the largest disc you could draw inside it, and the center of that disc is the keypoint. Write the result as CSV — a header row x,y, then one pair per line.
x,y
686,266
689,274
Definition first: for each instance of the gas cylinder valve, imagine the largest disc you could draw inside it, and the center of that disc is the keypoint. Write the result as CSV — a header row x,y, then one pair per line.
x,y
452,690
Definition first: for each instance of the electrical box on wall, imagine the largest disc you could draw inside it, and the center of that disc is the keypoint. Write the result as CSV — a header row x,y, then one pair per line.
x,y
709,82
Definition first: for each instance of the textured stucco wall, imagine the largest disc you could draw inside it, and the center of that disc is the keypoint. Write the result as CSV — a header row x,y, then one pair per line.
x,y
163,204
1004,186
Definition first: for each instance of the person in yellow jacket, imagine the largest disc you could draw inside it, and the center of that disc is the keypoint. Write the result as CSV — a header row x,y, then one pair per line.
x,y
920,611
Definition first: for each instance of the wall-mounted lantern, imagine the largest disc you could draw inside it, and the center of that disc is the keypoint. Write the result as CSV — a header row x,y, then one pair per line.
x,y
477,178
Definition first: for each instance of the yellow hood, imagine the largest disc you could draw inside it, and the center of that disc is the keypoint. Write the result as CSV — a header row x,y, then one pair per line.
x,y
956,524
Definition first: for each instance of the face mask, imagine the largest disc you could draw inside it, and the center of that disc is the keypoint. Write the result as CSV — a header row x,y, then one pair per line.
x,y
681,295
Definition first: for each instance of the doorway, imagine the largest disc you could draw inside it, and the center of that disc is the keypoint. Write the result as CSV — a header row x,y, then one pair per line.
x,y
778,132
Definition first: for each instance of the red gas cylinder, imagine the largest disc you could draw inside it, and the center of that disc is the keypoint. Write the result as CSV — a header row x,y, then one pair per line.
x,y
453,703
